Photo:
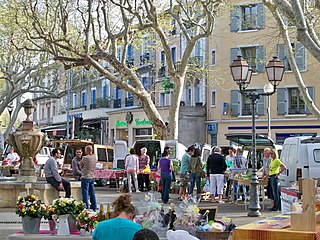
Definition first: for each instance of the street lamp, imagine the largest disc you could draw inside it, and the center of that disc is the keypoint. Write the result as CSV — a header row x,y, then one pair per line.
x,y
242,74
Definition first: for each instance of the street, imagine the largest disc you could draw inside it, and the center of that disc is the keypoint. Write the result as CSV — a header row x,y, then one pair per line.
x,y
11,223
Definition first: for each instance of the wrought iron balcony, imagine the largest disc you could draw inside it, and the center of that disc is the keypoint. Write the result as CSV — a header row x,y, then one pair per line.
x,y
129,102
297,110
117,103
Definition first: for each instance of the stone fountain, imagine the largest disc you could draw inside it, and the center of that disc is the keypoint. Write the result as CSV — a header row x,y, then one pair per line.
x,y
27,141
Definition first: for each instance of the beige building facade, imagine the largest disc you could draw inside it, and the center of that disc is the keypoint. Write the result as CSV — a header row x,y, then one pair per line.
x,y
248,29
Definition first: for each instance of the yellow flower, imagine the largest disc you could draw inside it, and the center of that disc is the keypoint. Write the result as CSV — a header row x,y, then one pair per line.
x,y
23,210
19,198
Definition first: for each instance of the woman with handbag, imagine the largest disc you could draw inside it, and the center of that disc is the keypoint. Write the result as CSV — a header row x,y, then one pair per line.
x,y
144,171
196,172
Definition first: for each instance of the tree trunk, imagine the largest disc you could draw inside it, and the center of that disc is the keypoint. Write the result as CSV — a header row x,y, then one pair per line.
x,y
175,107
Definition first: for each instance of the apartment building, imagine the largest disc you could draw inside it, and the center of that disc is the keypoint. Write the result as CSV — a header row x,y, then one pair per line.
x,y
109,113
248,29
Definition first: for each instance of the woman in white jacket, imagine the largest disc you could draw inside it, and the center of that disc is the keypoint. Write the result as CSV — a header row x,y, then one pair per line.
x,y
132,168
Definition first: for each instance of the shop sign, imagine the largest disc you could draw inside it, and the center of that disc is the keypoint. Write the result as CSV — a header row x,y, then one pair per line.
x,y
121,124
212,128
142,122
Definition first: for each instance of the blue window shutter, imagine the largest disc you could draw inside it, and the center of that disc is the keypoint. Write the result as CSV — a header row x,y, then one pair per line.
x,y
311,93
282,55
300,56
260,16
261,104
235,102
261,59
234,18
282,101
234,52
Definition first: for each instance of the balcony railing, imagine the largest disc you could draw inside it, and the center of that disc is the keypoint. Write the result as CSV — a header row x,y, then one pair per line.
x,y
130,62
93,106
129,102
162,71
297,110
144,59
117,103
246,111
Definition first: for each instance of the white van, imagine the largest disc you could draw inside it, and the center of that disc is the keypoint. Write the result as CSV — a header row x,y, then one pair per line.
x,y
301,156
154,147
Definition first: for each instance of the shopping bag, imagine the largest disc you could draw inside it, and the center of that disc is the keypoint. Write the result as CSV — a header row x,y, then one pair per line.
x,y
206,187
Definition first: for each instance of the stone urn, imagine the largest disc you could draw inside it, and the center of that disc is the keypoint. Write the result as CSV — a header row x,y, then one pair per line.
x,y
27,141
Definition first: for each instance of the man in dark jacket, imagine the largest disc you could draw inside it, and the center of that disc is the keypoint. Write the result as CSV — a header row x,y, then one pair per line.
x,y
216,166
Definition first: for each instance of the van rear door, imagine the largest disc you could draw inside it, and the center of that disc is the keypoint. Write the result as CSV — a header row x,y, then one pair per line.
x,y
120,151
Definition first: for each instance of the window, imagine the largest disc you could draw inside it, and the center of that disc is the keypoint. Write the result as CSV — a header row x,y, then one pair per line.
x,y
83,98
162,58
198,50
173,25
102,154
189,95
254,55
296,103
53,110
198,96
162,99
299,55
241,105
119,54
75,101
289,101
105,89
145,45
174,54
93,95
143,131
213,98
316,155
213,57
250,55
117,93
145,82
129,52
42,113
247,17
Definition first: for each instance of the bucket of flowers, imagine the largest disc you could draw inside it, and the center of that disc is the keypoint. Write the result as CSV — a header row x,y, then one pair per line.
x,y
67,209
31,209
51,217
87,221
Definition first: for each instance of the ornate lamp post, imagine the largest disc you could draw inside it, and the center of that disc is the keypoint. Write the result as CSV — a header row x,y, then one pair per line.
x,y
242,74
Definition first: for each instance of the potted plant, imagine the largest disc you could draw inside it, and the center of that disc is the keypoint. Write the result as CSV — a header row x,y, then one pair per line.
x,y
31,209
87,221
51,217
67,209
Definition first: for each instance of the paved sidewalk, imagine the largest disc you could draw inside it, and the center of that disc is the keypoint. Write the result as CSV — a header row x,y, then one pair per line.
x,y
11,223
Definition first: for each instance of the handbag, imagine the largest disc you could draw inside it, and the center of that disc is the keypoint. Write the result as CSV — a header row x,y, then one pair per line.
x,y
201,172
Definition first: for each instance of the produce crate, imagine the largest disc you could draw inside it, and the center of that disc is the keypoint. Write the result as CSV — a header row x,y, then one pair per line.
x,y
203,235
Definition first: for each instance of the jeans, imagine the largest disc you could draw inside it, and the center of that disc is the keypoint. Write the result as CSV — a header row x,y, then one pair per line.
x,y
236,191
87,187
275,191
132,176
143,178
194,179
166,182
65,183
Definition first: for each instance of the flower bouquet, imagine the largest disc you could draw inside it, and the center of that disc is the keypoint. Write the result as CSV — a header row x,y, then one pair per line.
x,y
87,220
31,209
30,206
63,206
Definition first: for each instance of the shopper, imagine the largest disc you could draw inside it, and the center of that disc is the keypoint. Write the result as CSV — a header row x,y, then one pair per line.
x,y
184,178
52,174
229,162
195,170
239,162
165,167
276,167
88,165
266,160
144,170
132,168
76,171
121,226
216,166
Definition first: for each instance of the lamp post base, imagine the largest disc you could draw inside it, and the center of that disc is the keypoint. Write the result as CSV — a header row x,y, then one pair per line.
x,y
254,213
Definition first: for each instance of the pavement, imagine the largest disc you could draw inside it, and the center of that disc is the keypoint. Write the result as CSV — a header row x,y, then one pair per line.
x,y
11,223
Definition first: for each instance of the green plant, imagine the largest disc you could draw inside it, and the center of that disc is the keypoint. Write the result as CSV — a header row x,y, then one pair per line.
x,y
30,206
70,206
